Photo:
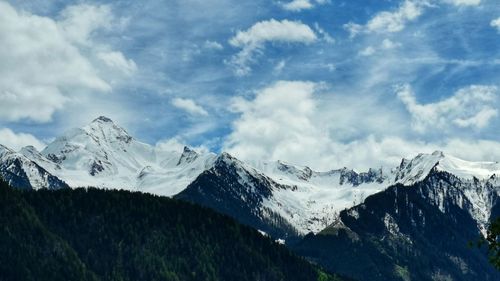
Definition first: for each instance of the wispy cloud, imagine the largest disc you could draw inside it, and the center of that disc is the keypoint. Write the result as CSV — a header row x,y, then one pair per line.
x,y
213,45
189,106
464,2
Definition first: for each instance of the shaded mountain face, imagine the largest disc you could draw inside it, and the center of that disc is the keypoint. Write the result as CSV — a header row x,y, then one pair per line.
x,y
416,232
237,190
299,200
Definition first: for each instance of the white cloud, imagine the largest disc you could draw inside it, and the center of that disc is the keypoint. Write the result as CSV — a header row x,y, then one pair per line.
x,y
213,45
255,38
389,22
274,31
289,121
78,22
173,144
189,106
297,5
353,29
285,121
395,21
496,24
118,61
178,144
368,51
472,107
388,44
464,2
277,124
16,141
45,63
385,45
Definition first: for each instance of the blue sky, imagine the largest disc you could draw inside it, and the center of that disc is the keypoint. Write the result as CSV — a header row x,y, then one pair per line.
x,y
323,83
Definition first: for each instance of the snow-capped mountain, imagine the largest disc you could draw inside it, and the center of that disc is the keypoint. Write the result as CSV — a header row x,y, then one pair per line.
x,y
21,172
103,154
418,231
309,201
423,209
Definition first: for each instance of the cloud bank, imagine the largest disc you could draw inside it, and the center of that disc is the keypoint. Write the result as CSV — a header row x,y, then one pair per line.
x,y
46,62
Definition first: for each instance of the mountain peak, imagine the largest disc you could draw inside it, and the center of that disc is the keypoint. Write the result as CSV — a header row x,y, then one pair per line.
x,y
416,169
103,119
104,128
29,151
5,150
188,156
29,148
438,153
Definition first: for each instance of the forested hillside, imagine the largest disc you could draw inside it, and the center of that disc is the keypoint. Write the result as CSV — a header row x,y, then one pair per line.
x,y
90,234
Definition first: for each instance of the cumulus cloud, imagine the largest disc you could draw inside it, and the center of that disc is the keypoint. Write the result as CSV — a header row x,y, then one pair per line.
x,y
496,24
78,22
471,107
287,121
389,22
45,62
283,122
277,123
16,141
254,39
189,106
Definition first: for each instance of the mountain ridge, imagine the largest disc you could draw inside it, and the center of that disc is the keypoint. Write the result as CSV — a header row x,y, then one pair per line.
x,y
103,154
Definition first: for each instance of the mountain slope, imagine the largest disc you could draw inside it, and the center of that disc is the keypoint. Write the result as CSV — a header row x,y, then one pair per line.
x,y
293,200
28,250
23,173
415,232
103,154
157,239
235,189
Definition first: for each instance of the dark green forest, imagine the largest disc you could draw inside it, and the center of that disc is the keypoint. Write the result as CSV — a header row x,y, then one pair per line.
x,y
90,234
